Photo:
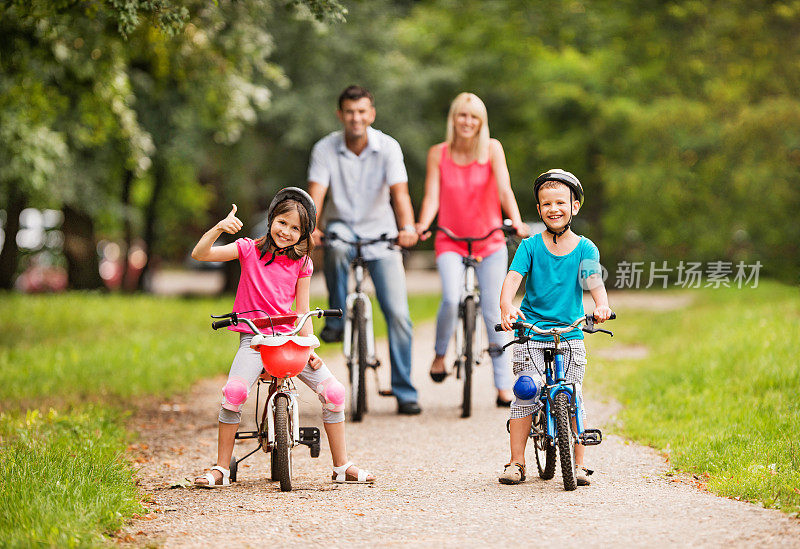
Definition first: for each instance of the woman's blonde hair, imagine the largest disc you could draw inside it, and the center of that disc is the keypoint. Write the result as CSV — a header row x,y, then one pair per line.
x,y
472,103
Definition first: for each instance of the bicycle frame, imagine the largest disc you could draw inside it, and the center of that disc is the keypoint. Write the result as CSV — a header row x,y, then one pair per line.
x,y
556,382
309,436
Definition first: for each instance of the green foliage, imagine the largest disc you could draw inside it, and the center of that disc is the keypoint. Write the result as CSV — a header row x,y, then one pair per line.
x,y
686,107
725,404
65,482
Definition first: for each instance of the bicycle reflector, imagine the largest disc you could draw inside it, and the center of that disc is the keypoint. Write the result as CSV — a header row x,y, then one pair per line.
x,y
284,356
527,388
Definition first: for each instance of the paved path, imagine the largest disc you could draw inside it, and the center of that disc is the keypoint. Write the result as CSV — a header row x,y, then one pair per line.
x,y
437,484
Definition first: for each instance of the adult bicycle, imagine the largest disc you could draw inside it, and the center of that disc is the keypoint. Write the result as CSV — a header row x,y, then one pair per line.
x,y
358,338
468,334
559,421
283,357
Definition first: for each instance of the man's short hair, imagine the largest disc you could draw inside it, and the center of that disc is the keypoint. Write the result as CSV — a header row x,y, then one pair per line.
x,y
354,93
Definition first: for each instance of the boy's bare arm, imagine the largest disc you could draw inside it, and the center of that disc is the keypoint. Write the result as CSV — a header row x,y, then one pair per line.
x,y
508,312
597,289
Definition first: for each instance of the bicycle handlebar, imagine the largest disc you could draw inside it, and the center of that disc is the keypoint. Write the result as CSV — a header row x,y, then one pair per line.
x,y
588,319
361,242
506,227
232,319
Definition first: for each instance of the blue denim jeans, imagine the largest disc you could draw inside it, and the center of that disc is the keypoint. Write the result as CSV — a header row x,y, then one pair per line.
x,y
490,274
389,278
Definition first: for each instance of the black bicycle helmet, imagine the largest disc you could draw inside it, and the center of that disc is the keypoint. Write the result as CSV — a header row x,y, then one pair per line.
x,y
303,198
561,176
289,193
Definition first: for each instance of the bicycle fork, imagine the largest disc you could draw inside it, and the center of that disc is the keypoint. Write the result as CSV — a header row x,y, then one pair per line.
x,y
347,343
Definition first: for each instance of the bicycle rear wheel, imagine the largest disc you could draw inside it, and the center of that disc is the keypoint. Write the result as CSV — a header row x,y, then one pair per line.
x,y
358,367
281,451
469,354
545,452
566,448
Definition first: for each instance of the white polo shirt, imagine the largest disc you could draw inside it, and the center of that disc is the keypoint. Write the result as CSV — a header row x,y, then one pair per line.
x,y
359,184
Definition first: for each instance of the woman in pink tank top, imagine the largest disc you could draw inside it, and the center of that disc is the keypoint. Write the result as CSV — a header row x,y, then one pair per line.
x,y
468,185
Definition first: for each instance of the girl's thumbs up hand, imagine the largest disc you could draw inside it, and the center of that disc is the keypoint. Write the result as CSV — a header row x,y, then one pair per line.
x,y
230,224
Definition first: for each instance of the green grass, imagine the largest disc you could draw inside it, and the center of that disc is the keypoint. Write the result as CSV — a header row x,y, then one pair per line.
x,y
719,390
70,365
65,480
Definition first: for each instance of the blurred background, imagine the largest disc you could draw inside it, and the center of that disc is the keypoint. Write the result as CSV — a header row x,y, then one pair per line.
x,y
128,128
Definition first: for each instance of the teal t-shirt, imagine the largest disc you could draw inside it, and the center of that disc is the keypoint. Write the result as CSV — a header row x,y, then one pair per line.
x,y
554,289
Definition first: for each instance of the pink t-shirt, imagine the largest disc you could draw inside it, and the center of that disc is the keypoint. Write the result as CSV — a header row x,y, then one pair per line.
x,y
469,206
272,287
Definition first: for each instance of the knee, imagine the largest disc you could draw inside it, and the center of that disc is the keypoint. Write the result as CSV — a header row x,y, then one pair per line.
x,y
234,394
332,395
526,389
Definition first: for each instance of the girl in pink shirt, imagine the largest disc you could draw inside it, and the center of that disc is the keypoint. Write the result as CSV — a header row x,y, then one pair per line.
x,y
276,271
467,185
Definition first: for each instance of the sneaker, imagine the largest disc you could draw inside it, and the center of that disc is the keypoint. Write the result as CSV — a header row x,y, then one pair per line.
x,y
330,335
514,473
582,476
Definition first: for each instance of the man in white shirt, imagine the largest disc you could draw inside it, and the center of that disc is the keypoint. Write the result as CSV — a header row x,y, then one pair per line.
x,y
361,169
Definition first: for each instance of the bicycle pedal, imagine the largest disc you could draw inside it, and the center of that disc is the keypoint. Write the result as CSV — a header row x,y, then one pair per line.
x,y
374,364
591,437
309,435
386,393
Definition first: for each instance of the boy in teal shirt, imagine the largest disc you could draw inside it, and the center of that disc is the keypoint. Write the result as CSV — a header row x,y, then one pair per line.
x,y
558,264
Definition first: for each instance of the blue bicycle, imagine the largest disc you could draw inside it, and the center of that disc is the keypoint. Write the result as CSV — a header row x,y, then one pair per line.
x,y
552,425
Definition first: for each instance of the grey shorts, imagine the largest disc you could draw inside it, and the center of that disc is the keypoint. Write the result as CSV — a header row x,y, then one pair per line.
x,y
528,358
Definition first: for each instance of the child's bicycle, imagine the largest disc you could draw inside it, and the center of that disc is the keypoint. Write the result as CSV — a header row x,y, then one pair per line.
x,y
468,334
552,426
283,356
358,340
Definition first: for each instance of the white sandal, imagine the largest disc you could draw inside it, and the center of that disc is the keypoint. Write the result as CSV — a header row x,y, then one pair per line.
x,y
340,475
212,482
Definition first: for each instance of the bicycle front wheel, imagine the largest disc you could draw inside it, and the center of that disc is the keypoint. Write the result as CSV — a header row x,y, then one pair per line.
x,y
358,368
281,450
469,353
566,449
545,452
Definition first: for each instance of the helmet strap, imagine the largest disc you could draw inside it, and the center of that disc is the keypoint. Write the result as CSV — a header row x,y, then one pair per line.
x,y
276,253
557,234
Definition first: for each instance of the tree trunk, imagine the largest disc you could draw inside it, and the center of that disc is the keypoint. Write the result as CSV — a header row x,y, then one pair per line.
x,y
151,218
80,249
9,256
127,232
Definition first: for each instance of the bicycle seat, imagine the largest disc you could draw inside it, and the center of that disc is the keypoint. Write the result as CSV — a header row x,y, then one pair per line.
x,y
282,355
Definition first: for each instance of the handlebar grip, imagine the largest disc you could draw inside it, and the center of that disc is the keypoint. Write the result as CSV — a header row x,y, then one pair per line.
x,y
515,326
217,324
332,312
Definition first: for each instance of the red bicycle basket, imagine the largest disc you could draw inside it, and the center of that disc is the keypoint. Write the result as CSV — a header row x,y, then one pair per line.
x,y
285,360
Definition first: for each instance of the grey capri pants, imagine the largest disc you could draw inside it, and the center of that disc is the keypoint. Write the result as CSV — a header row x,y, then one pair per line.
x,y
247,367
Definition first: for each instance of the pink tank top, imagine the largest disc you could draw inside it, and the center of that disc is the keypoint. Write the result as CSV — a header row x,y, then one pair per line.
x,y
469,205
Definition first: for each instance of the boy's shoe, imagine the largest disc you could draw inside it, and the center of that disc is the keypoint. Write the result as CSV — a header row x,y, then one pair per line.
x,y
582,475
514,473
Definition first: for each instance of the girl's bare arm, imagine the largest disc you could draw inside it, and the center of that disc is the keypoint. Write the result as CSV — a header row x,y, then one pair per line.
x,y
205,250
